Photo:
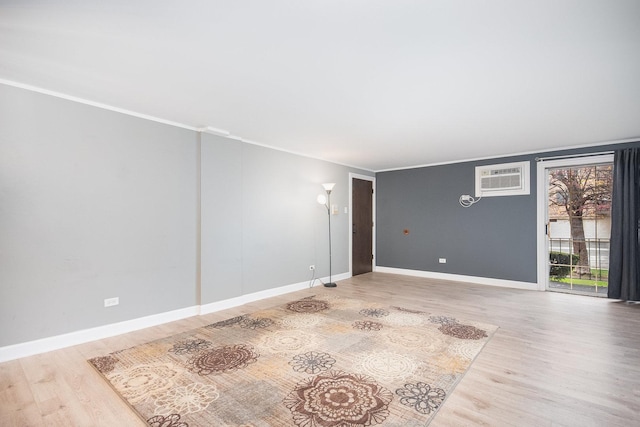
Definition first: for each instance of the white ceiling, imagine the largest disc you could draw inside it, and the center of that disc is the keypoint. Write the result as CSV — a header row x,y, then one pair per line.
x,y
369,83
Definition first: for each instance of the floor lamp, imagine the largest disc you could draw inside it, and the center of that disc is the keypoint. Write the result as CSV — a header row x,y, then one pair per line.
x,y
326,201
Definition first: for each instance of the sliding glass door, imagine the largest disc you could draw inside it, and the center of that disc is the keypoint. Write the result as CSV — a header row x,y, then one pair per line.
x,y
578,224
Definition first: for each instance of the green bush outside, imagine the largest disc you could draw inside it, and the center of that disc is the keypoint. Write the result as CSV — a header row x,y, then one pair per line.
x,y
561,263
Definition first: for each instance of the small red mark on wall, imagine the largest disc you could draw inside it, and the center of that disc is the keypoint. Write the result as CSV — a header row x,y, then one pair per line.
x,y
406,231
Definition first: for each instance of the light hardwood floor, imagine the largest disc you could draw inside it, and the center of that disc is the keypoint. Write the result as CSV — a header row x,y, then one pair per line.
x,y
557,359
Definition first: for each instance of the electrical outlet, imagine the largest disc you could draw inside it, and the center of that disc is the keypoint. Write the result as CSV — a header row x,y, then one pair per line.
x,y
442,260
110,302
312,267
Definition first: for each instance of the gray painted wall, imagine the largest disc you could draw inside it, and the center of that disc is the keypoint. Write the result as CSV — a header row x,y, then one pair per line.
x,y
95,204
261,224
495,238
490,239
221,199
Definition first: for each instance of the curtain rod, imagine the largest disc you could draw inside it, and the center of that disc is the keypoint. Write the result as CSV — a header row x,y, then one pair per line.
x,y
572,156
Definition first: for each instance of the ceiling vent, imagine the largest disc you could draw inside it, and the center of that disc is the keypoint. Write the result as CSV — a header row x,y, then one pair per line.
x,y
507,179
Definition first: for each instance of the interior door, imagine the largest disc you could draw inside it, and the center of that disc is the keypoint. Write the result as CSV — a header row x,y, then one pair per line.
x,y
362,227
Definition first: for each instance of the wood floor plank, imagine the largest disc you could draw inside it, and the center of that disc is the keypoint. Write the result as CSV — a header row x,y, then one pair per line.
x,y
17,405
556,360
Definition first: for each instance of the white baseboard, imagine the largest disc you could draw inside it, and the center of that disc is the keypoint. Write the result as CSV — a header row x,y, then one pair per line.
x,y
460,278
57,342
245,299
43,345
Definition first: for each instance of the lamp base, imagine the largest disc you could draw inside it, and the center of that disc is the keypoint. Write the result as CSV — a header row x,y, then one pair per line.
x,y
330,285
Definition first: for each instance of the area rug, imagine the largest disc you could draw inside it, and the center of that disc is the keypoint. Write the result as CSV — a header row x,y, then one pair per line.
x,y
322,361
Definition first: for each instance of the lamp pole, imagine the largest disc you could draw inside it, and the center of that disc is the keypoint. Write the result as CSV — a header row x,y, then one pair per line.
x,y
330,284
328,188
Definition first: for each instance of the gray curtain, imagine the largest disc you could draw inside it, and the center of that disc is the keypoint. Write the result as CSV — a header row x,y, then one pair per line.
x,y
624,255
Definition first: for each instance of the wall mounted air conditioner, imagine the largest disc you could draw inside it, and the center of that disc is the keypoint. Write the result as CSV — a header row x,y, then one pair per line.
x,y
507,179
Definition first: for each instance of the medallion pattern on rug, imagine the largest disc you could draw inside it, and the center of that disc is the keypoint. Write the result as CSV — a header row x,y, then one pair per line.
x,y
319,361
222,359
339,399
312,362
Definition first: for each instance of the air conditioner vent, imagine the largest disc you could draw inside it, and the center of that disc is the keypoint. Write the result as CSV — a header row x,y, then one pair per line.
x,y
502,180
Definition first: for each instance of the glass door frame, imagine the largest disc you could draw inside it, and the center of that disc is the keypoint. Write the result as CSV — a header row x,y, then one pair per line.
x,y
542,197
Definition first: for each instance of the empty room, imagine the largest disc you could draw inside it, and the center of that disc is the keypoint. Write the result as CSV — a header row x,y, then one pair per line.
x,y
320,213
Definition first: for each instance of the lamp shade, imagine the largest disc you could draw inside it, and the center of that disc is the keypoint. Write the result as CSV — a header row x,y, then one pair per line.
x,y
329,186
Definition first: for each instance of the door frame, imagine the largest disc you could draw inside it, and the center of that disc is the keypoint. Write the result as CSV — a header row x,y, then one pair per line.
x,y
373,230
542,197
